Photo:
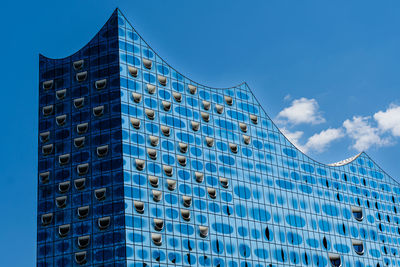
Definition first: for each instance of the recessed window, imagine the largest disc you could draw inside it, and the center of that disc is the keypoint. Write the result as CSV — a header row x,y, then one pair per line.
x,y
44,177
171,184
185,214
98,111
183,147
181,160
162,80
253,119
147,63
151,89
187,201
82,128
60,94
203,231
153,180
165,130
48,110
135,123
104,222
79,102
157,239
136,97
233,147
153,140
206,104
79,142
63,230
168,170
83,212
152,153
157,195
209,141
335,260
166,105
78,65
205,116
357,213
61,120
81,76
100,194
177,96
212,192
47,149
267,233
64,187
102,151
83,241
44,137
192,89
243,127
219,108
325,243
358,247
61,202
195,126
63,159
139,206
47,219
158,224
199,177
133,71
246,139
100,84
82,168
228,100
47,85
80,257
150,113
224,182
139,164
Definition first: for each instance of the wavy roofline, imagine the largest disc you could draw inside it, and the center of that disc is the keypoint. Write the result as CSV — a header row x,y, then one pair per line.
x,y
335,164
74,53
200,84
345,161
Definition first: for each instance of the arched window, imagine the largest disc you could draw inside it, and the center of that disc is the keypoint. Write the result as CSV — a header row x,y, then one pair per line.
x,y
358,247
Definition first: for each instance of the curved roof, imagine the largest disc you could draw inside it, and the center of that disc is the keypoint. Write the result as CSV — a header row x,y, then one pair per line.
x,y
345,161
114,18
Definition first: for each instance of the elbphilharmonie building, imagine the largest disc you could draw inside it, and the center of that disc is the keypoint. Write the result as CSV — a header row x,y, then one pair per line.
x,y
141,166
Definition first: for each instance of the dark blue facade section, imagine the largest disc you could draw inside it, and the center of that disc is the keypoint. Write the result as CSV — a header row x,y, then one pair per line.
x,y
80,187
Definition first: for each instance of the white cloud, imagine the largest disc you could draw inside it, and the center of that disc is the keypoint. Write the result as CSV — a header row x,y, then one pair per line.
x,y
363,133
378,130
320,141
287,97
389,120
294,137
302,110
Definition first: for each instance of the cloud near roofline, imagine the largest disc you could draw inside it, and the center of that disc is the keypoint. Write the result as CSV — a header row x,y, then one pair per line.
x,y
378,130
301,111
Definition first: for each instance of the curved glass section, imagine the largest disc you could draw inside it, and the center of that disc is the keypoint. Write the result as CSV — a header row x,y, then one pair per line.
x,y
193,175
83,91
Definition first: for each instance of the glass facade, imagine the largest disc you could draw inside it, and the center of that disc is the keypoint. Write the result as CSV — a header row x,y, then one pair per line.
x,y
141,166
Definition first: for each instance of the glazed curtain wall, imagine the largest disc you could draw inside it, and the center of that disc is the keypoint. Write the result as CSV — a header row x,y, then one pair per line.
x,y
252,198
80,187
189,175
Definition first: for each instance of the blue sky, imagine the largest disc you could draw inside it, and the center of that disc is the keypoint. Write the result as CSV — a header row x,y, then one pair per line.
x,y
336,61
